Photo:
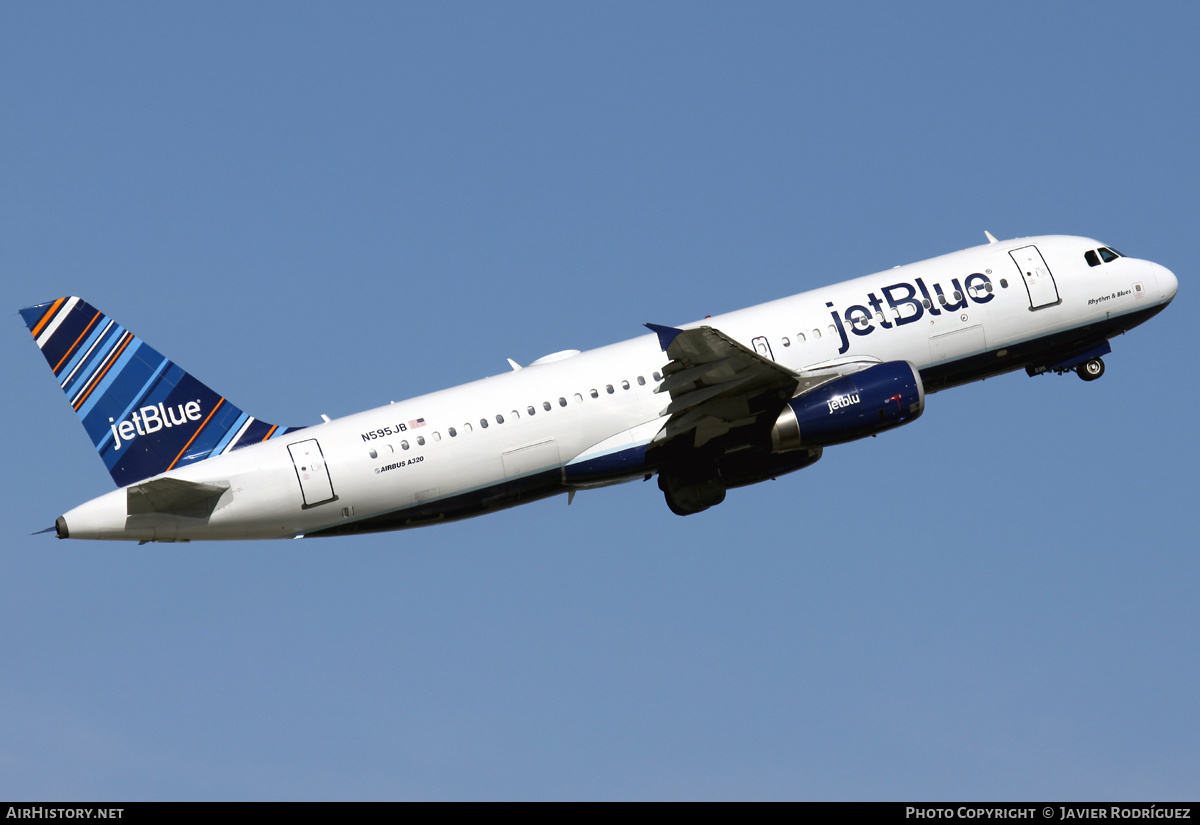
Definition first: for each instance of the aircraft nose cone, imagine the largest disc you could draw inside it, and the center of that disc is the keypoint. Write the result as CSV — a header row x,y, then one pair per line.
x,y
1168,283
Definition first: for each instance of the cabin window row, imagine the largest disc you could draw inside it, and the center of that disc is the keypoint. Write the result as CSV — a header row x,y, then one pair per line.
x,y
513,415
547,406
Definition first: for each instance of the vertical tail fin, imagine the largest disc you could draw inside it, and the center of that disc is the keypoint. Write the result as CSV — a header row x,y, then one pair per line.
x,y
143,413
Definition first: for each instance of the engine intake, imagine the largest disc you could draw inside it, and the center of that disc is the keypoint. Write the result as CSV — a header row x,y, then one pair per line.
x,y
851,407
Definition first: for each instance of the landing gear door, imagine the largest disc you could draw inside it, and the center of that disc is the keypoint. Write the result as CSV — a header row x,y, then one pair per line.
x,y
1039,282
315,484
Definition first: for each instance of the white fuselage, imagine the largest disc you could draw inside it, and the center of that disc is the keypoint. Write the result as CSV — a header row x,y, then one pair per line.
x,y
465,450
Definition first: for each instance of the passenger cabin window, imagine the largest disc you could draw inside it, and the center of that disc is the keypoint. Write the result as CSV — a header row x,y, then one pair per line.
x,y
546,406
641,381
816,334
786,341
483,423
499,418
624,384
594,394
562,402
453,432
374,454
532,410
609,389
800,339
420,441
403,445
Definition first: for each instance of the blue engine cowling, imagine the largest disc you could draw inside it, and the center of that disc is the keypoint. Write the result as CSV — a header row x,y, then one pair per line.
x,y
851,407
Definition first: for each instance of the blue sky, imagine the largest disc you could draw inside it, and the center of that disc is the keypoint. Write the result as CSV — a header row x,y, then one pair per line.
x,y
319,208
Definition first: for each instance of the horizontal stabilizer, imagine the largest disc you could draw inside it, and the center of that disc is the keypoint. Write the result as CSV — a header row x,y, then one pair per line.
x,y
174,496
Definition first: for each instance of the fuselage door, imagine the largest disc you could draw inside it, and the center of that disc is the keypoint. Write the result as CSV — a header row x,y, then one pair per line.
x,y
1039,282
315,484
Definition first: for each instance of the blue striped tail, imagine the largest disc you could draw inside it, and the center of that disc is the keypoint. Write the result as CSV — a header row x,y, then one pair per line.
x,y
143,413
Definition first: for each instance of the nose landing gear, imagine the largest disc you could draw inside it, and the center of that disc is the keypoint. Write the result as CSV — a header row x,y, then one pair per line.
x,y
1090,369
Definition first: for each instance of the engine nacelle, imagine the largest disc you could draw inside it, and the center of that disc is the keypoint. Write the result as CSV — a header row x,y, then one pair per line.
x,y
851,407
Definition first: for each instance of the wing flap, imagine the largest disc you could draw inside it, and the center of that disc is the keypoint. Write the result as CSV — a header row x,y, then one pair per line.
x,y
696,397
684,376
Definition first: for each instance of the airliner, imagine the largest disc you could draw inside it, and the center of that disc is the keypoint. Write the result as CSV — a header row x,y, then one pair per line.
x,y
721,403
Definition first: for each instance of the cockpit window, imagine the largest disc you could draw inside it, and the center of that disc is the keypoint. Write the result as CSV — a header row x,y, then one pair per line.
x,y
1105,254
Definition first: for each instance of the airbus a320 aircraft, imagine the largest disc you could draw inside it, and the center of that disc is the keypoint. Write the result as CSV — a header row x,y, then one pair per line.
x,y
730,401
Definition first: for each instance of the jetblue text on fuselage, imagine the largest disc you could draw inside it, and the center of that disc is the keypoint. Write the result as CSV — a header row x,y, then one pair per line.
x,y
862,320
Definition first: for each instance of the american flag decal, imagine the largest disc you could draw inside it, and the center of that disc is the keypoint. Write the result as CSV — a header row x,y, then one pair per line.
x,y
416,422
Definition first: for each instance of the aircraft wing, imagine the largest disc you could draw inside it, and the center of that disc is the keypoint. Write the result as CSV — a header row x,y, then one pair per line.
x,y
717,384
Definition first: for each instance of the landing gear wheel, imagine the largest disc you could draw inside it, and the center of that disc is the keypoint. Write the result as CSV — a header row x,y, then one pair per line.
x,y
1091,369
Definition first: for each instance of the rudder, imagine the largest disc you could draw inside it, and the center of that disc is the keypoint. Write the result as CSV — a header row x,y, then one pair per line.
x,y
143,413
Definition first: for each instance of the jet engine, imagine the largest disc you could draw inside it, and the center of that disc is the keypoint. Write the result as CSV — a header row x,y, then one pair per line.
x,y
851,407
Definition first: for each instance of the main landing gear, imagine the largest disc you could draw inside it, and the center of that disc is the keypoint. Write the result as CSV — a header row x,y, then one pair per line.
x,y
691,487
1090,369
